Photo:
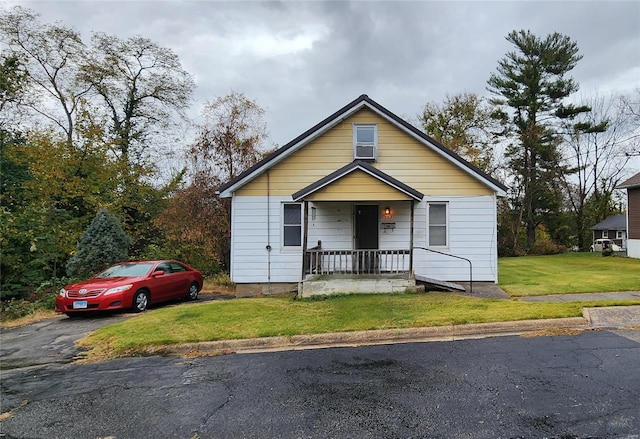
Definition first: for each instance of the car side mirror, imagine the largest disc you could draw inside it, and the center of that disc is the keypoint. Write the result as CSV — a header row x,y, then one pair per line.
x,y
158,273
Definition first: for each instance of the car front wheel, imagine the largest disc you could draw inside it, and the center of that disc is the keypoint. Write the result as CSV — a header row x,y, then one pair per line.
x,y
140,301
193,292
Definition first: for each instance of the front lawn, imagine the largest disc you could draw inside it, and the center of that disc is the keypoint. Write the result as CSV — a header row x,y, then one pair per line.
x,y
568,273
283,316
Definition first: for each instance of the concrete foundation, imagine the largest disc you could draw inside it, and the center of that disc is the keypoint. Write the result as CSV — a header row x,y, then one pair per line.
x,y
351,284
254,290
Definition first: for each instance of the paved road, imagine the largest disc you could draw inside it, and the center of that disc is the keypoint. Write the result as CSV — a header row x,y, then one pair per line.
x,y
564,387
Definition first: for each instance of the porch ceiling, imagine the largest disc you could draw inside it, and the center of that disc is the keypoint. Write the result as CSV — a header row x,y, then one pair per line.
x,y
358,181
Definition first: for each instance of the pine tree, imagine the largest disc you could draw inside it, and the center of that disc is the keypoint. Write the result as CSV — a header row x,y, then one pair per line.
x,y
103,243
531,84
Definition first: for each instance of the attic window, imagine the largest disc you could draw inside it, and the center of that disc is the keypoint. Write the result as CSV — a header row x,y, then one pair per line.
x,y
365,141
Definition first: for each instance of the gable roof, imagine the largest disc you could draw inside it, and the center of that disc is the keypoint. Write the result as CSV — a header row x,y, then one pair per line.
x,y
363,101
632,182
351,167
613,222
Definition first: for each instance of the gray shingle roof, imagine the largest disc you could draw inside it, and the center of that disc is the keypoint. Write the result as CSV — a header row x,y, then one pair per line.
x,y
613,222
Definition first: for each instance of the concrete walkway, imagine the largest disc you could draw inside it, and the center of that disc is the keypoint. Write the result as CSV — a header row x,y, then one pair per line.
x,y
583,297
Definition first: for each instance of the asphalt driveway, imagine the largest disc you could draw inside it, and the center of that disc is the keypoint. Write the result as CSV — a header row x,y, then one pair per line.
x,y
52,340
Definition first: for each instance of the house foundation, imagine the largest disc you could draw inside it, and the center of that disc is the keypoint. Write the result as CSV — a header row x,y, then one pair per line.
x,y
355,284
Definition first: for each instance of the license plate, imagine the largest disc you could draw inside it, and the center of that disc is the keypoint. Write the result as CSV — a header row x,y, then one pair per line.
x,y
80,304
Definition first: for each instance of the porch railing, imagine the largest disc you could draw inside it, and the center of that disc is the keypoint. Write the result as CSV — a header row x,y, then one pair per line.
x,y
320,262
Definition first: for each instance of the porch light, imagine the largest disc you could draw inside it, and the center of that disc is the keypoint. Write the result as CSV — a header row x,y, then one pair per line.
x,y
387,212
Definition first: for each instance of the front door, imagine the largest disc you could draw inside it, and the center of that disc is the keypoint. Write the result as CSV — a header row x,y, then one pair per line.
x,y
366,227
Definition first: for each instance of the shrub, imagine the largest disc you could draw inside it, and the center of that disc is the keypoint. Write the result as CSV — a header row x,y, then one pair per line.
x,y
547,247
103,243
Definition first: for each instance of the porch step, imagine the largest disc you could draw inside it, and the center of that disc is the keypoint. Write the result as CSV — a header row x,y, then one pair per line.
x,y
439,283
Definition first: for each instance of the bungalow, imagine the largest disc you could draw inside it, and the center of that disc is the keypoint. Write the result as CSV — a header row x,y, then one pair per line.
x,y
632,186
367,201
613,227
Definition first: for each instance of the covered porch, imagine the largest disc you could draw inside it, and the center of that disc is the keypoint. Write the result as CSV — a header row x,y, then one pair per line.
x,y
358,231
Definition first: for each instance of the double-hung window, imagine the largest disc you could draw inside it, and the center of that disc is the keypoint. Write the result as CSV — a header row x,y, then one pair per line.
x,y
605,234
292,225
438,233
365,141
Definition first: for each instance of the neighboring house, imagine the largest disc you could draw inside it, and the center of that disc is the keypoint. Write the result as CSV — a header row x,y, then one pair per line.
x,y
632,186
613,227
366,196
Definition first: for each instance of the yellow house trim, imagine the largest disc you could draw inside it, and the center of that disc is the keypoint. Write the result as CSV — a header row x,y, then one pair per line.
x,y
358,186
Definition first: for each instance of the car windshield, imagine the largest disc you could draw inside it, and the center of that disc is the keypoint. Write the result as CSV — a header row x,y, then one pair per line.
x,y
126,270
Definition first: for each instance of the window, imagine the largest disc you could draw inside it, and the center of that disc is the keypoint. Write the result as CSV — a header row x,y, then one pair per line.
x,y
619,234
437,224
292,225
365,141
605,233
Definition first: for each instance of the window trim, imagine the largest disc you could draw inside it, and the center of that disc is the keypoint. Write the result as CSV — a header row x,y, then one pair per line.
x,y
605,234
619,234
283,225
373,144
446,224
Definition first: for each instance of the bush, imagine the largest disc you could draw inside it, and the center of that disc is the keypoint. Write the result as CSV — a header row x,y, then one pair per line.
x,y
607,252
103,243
547,248
42,298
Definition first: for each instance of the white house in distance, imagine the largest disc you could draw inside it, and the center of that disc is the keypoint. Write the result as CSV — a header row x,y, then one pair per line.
x,y
366,197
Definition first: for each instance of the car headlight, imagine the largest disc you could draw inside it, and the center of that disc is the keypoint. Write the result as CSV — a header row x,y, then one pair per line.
x,y
115,290
63,292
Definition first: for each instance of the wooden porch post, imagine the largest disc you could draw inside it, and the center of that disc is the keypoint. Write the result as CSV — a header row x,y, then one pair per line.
x,y
411,240
305,234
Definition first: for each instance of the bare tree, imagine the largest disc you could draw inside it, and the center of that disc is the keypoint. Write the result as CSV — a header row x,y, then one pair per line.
x,y
141,85
230,139
51,54
597,158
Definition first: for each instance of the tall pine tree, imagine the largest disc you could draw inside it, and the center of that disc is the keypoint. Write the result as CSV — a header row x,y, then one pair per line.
x,y
531,83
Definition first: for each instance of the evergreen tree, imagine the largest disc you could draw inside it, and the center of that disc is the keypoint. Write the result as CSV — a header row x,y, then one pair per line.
x,y
531,84
102,244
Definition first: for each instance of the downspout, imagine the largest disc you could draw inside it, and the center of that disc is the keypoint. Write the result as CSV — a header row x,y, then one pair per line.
x,y
411,239
268,234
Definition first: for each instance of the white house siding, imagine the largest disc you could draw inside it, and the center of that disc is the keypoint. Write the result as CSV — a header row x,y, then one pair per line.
x,y
472,235
633,248
332,225
250,260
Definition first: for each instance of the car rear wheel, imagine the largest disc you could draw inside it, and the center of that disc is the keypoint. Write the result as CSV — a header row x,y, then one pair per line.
x,y
193,291
140,301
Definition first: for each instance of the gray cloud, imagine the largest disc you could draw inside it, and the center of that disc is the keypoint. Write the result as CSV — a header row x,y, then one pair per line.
x,y
303,60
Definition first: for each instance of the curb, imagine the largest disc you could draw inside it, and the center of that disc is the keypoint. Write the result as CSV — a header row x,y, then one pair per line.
x,y
374,337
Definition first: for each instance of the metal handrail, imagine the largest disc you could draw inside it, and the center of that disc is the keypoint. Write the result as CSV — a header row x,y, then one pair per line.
x,y
457,257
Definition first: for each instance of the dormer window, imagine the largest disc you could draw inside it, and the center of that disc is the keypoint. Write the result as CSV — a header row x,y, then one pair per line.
x,y
365,142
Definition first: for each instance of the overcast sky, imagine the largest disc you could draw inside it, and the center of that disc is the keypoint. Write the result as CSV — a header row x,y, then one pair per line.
x,y
301,61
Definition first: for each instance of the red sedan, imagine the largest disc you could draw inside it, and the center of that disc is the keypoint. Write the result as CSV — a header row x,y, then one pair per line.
x,y
133,285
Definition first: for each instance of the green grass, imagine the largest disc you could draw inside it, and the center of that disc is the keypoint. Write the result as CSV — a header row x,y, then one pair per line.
x,y
568,273
283,316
